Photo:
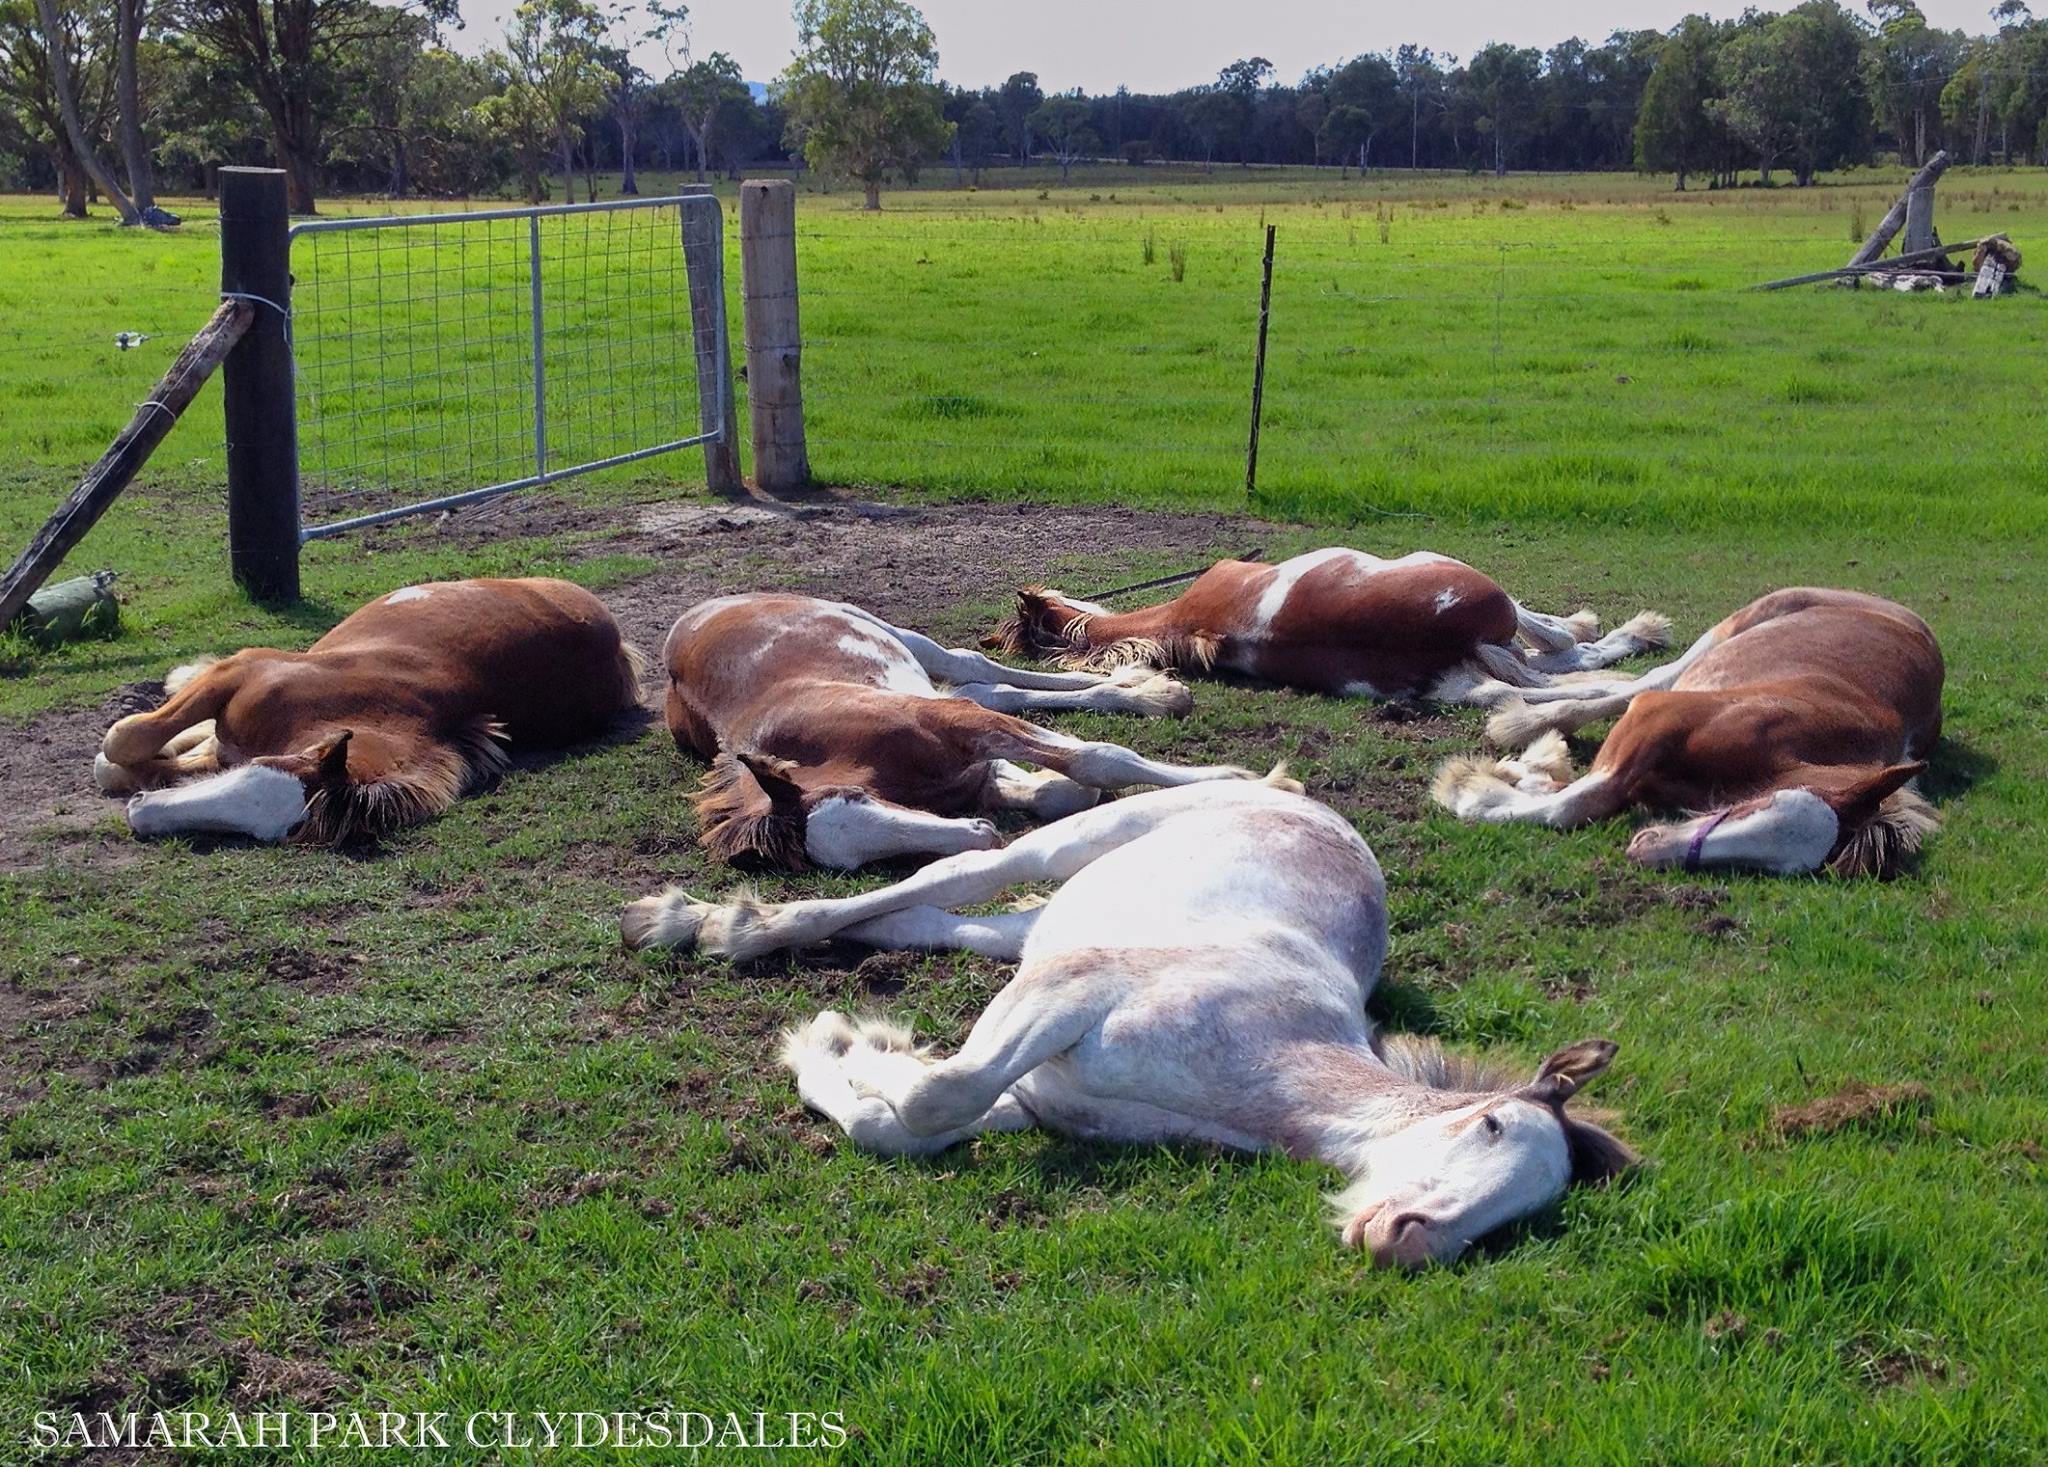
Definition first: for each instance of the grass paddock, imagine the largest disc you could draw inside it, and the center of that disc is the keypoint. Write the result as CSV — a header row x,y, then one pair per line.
x,y
403,1128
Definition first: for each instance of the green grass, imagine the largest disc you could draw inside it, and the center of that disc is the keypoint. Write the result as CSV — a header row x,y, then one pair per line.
x,y
408,1130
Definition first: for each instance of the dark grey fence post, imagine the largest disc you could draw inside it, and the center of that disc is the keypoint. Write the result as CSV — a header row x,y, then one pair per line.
x,y
256,386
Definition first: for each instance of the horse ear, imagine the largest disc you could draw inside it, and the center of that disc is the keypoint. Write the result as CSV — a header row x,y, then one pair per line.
x,y
1860,800
332,761
1565,1073
1596,1155
1014,633
775,776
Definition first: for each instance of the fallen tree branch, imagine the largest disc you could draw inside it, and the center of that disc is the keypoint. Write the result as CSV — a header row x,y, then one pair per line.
x,y
1847,272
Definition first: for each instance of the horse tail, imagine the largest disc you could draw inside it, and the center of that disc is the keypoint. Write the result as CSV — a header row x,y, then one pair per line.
x,y
633,666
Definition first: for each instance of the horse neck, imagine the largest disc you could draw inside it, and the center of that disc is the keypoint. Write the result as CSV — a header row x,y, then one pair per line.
x,y
1147,622
1344,1100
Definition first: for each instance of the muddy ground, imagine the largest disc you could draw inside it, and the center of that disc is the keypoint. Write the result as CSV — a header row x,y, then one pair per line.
x,y
917,565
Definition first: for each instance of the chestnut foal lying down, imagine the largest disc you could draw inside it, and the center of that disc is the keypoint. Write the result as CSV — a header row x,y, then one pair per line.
x,y
831,745
1331,621
383,722
1200,975
1795,725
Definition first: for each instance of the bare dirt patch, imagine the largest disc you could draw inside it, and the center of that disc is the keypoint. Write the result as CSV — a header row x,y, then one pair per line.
x,y
1856,1106
912,563
917,564
46,769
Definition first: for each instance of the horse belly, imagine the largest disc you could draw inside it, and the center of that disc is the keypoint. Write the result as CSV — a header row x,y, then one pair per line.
x,y
1388,632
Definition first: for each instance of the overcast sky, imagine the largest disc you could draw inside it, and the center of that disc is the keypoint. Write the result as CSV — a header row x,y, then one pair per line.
x,y
1161,45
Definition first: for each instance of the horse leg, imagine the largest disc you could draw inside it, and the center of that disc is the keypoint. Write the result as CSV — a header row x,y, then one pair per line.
x,y
1526,789
1549,633
961,667
742,929
1144,691
200,697
1100,766
932,929
195,751
1644,632
1040,793
1522,714
825,1055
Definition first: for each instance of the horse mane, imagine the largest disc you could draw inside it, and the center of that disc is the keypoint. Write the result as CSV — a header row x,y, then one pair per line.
x,y
428,783
1882,845
739,823
1021,635
1426,1062
1193,652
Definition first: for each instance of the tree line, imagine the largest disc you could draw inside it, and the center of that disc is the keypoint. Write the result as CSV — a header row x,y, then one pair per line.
x,y
104,98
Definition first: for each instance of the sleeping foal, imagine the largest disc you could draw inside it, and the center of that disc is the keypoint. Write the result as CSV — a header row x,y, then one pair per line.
x,y
1331,621
1200,975
830,744
1795,725
383,722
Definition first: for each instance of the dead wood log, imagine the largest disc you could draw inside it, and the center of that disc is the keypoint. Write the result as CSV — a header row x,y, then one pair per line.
x,y
1895,217
1851,272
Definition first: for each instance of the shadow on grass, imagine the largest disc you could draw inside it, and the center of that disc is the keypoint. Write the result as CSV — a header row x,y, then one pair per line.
x,y
1954,769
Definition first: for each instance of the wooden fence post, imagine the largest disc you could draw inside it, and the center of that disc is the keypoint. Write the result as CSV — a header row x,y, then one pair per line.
x,y
704,258
256,386
775,393
1874,247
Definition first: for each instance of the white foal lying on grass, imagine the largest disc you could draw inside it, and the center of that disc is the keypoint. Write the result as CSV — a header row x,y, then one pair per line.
x,y
1200,975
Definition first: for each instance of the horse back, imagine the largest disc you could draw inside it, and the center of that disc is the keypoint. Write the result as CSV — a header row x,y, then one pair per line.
x,y
1864,656
733,660
543,658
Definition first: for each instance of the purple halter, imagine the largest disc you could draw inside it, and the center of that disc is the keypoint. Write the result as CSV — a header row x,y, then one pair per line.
x,y
1692,850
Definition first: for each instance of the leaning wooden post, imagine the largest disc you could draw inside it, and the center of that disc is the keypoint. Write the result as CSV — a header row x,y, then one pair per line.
x,y
775,393
154,417
704,259
1896,215
1919,233
256,386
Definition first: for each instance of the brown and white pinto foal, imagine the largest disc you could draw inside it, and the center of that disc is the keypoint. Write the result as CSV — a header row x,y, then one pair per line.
x,y
830,743
383,722
1200,975
1795,725
1331,621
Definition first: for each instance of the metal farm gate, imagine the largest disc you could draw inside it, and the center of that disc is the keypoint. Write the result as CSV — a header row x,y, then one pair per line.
x,y
444,359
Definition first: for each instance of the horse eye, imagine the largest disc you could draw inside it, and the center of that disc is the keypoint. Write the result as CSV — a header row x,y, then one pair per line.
x,y
1493,1126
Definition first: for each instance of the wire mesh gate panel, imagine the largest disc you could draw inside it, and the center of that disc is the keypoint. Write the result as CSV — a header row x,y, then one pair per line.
x,y
443,359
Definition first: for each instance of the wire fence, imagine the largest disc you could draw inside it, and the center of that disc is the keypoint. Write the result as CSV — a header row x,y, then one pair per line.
x,y
449,358
1418,358
1075,354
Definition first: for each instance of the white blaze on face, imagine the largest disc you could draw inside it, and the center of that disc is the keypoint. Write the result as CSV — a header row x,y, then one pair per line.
x,y
410,593
844,832
1792,831
254,800
1437,1186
